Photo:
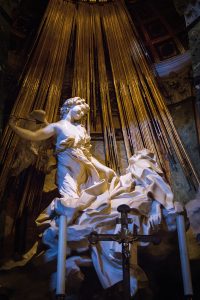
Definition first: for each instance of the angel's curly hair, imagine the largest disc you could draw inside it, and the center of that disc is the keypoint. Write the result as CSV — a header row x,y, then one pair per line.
x,y
71,102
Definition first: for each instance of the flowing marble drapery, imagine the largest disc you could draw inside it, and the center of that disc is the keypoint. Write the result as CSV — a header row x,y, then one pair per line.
x,y
150,198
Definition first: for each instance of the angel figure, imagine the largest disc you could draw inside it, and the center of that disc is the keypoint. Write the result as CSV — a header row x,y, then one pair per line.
x,y
77,169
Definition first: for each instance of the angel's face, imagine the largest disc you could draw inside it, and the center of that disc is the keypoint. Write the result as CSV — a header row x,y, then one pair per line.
x,y
77,112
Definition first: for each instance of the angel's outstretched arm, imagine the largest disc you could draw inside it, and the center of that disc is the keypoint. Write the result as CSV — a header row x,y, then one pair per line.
x,y
38,135
109,173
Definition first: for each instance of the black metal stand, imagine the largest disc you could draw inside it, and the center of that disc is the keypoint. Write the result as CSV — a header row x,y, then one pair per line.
x,y
124,210
124,237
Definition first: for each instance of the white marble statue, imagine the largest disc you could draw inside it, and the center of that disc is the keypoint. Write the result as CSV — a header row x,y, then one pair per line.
x,y
91,192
